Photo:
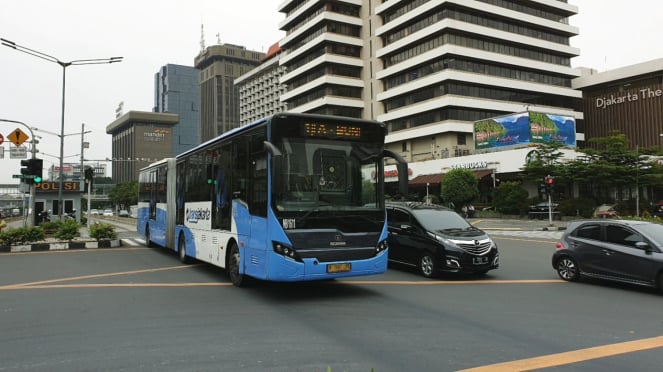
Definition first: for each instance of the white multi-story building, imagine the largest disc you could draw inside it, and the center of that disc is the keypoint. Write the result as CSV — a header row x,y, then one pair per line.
x,y
429,68
260,89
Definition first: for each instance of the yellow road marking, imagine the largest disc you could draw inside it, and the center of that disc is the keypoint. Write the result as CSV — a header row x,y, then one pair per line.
x,y
575,356
113,285
455,282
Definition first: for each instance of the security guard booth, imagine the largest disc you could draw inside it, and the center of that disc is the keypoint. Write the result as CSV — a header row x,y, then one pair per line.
x,y
47,199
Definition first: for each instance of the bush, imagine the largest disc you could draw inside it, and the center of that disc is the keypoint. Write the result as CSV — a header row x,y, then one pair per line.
x,y
21,235
102,231
583,207
50,227
68,230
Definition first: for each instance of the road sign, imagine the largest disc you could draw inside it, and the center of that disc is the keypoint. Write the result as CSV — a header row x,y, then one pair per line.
x,y
18,152
2,139
17,137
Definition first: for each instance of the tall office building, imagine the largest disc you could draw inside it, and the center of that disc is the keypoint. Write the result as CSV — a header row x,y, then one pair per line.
x,y
260,89
176,91
219,66
429,68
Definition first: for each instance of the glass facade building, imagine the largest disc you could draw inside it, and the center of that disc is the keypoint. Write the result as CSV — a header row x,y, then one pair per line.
x,y
176,91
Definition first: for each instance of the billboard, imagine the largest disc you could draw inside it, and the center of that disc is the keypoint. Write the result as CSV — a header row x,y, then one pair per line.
x,y
523,129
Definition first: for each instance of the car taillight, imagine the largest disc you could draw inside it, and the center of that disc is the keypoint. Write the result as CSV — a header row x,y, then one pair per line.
x,y
559,245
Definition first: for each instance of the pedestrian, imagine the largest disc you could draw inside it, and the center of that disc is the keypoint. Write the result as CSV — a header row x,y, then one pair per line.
x,y
470,211
464,209
3,224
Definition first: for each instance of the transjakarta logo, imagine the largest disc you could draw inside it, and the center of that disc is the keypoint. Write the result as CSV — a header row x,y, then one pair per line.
x,y
641,94
198,214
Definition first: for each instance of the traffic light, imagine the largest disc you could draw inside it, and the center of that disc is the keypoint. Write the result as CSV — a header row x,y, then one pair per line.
x,y
549,181
36,167
31,169
89,174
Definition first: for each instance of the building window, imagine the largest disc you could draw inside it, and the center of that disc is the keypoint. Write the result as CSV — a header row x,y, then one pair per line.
x,y
461,140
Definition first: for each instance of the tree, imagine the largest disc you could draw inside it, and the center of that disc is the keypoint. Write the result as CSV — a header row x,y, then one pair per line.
x,y
545,160
460,186
510,198
124,194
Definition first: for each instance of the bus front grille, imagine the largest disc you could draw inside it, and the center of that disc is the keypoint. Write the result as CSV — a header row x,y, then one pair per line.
x,y
338,254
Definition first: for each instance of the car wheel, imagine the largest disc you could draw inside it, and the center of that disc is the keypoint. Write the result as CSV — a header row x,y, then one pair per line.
x,y
236,278
428,266
567,269
182,250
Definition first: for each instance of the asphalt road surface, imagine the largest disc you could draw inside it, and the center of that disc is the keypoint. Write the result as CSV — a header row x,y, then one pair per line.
x,y
139,309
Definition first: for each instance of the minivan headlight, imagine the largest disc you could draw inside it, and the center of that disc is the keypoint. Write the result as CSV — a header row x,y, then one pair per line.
x,y
442,240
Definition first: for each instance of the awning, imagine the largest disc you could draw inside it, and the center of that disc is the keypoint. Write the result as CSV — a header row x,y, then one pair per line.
x,y
438,177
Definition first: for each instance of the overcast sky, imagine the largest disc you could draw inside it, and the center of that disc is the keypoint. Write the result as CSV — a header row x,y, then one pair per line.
x,y
152,33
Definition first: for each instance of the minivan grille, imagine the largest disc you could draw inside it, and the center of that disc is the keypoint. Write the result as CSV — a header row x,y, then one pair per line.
x,y
477,247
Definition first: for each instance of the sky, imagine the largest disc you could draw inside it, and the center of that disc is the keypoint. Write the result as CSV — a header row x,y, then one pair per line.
x,y
151,33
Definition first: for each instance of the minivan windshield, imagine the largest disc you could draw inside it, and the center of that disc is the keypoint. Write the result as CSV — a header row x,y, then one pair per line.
x,y
441,220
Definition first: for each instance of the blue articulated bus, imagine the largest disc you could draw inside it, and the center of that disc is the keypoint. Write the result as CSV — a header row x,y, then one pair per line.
x,y
292,197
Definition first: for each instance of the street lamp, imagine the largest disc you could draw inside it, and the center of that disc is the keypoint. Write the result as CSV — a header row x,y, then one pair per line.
x,y
64,66
83,143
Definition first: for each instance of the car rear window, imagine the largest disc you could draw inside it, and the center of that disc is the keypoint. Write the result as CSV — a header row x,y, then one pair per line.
x,y
591,231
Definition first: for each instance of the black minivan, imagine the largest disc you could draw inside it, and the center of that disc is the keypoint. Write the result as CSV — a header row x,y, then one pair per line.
x,y
437,239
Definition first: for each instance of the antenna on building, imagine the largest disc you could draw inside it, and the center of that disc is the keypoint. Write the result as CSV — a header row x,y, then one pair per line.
x,y
218,38
202,37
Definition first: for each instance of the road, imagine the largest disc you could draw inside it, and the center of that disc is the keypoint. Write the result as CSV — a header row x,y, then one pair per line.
x,y
135,308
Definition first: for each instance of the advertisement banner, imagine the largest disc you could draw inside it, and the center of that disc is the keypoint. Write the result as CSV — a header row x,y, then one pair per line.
x,y
522,129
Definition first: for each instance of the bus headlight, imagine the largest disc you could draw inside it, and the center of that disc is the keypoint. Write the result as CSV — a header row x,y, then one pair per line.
x,y
285,250
381,246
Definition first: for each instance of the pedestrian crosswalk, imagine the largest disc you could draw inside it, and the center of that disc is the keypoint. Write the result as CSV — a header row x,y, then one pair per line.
x,y
133,242
537,234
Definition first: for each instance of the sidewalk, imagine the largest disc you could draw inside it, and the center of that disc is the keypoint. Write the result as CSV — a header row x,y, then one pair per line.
x,y
515,223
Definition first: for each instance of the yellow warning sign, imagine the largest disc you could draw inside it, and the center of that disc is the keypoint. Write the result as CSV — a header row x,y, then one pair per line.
x,y
17,137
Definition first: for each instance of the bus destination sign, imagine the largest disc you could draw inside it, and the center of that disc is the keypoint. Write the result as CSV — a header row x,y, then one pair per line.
x,y
332,130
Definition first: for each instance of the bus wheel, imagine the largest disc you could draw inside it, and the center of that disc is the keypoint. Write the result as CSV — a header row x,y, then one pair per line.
x,y
182,250
148,242
236,278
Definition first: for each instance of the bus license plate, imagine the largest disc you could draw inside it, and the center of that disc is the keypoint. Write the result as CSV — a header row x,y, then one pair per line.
x,y
339,268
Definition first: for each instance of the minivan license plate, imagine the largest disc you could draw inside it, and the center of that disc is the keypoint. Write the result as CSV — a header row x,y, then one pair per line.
x,y
480,260
339,268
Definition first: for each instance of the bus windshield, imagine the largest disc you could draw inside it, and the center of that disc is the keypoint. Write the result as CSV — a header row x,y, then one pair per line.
x,y
322,174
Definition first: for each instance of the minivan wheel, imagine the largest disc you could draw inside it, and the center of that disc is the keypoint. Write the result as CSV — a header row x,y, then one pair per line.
x,y
428,266
567,269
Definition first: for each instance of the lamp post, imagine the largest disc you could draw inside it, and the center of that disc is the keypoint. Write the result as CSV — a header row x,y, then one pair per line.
x,y
64,66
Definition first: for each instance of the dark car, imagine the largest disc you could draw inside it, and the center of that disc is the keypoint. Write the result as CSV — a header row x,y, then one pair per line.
x,y
620,250
437,239
541,211
542,207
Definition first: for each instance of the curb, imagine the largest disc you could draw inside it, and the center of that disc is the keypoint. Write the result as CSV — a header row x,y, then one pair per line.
x,y
59,246
554,228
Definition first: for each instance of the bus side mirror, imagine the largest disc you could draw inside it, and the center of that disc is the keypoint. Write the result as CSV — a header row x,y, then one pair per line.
x,y
401,167
277,167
